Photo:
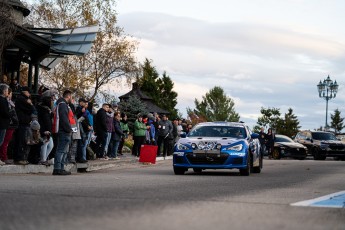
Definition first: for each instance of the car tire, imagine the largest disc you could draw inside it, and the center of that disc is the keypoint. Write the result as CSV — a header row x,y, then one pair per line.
x,y
179,170
258,168
276,154
317,155
246,171
197,170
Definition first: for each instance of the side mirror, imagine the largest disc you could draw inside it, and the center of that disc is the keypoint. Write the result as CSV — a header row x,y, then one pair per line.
x,y
183,135
254,135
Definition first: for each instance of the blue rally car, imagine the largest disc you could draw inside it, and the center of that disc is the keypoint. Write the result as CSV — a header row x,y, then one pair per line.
x,y
218,145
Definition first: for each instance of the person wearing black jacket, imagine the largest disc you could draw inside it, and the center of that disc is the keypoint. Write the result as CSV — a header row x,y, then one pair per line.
x,y
45,115
63,125
116,136
101,130
24,109
5,112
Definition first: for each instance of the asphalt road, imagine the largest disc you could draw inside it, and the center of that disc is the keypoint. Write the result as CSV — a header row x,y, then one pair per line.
x,y
151,197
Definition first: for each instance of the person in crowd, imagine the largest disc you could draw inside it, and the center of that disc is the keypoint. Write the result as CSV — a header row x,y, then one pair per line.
x,y
24,109
64,124
151,131
14,85
45,116
173,137
139,134
189,128
270,142
179,128
125,130
90,116
76,136
110,130
116,136
101,130
9,132
262,140
4,115
85,127
155,123
165,129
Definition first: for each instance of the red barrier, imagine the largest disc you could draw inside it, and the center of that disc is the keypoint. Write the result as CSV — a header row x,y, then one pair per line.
x,y
148,154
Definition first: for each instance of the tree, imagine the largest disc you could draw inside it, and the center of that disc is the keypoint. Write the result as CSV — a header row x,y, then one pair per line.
x,y
111,57
160,89
7,29
216,106
270,118
132,107
288,126
337,122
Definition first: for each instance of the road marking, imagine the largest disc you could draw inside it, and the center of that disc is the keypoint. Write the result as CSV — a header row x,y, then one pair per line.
x,y
334,200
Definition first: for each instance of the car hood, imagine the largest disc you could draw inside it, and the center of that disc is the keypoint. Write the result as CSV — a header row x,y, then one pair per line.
x,y
332,142
289,144
220,140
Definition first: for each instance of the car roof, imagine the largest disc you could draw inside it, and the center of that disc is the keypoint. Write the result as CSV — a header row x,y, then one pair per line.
x,y
314,131
222,123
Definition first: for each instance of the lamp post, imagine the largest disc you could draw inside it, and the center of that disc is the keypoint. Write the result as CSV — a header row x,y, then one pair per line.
x,y
327,90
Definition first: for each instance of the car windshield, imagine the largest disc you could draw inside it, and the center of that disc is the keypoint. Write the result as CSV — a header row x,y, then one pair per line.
x,y
283,139
218,131
324,136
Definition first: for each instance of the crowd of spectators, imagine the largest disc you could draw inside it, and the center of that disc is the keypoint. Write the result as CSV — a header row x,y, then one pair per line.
x,y
59,131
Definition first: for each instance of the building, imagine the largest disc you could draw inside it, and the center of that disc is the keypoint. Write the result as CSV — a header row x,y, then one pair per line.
x,y
151,107
41,47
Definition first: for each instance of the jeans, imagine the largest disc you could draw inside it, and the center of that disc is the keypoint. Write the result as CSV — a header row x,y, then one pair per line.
x,y
2,136
107,144
46,148
64,140
114,148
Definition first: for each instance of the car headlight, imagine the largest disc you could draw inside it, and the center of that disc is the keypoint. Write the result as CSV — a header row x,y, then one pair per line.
x,y
323,146
181,147
238,147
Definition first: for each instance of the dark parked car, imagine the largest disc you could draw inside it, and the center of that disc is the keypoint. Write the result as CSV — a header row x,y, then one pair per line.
x,y
218,145
284,146
321,144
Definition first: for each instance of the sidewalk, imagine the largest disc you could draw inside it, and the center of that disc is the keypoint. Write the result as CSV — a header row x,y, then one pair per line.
x,y
92,165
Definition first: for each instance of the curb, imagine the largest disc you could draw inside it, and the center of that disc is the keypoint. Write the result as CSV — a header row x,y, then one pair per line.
x,y
92,165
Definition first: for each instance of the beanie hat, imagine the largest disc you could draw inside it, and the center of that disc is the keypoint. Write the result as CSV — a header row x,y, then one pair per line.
x,y
34,125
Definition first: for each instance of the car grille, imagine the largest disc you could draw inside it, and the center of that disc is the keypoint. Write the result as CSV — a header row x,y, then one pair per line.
x,y
335,147
297,151
237,161
207,158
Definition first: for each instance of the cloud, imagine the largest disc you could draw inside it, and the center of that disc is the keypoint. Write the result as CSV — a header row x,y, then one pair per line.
x,y
257,64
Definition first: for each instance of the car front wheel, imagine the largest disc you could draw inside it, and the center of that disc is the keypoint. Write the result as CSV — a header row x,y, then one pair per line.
x,y
179,170
246,171
317,155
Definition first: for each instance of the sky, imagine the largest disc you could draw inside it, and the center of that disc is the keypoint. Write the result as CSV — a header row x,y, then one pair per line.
x,y
263,53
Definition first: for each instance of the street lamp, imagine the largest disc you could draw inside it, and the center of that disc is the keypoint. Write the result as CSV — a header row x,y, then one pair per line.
x,y
327,90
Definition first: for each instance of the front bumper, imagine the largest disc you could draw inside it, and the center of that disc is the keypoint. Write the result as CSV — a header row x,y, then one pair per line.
x,y
210,160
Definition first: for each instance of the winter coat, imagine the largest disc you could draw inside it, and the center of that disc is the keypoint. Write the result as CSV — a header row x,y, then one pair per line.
x,y
45,116
165,128
64,109
24,110
5,113
110,122
139,129
100,121
118,133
